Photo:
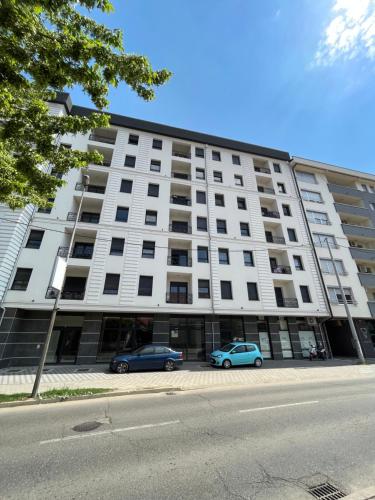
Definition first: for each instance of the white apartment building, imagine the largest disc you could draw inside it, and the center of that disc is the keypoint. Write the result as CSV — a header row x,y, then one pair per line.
x,y
184,239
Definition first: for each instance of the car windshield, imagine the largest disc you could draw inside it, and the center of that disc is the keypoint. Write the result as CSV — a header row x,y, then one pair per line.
x,y
227,347
138,350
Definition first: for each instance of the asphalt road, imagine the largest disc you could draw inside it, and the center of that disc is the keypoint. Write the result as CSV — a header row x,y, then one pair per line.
x,y
247,443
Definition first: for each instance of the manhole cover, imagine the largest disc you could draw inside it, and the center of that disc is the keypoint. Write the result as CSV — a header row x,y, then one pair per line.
x,y
326,491
86,426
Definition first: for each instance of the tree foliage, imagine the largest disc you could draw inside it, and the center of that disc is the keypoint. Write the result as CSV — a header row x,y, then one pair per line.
x,y
48,46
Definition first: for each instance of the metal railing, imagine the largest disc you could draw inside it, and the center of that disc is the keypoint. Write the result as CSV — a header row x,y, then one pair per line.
x,y
180,200
102,138
76,254
262,170
262,189
178,228
270,213
90,188
181,175
291,302
73,294
179,298
324,222
280,240
181,154
85,217
281,269
179,260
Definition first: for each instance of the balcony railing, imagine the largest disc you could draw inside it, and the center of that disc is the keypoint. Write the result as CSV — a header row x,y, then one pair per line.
x,y
85,217
179,260
73,294
292,302
181,154
280,240
83,253
90,188
181,175
262,170
281,269
177,227
180,200
262,189
179,298
270,213
102,138
324,222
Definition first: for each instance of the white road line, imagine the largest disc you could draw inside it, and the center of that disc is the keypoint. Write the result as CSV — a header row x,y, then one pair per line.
x,y
279,406
109,431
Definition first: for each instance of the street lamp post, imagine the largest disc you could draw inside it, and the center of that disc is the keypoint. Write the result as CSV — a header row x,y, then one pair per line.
x,y
35,391
353,330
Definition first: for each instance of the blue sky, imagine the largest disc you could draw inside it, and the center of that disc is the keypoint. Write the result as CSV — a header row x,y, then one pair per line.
x,y
297,75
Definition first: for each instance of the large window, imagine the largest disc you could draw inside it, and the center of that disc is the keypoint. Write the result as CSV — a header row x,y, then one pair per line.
x,y
323,240
204,289
202,254
221,226
126,186
216,155
223,256
133,139
305,293
151,218
317,217
148,249
336,297
236,160
35,239
21,279
231,329
327,266
252,291
122,214
311,196
145,286
201,197
157,144
244,229
111,284
201,224
153,190
219,200
130,161
226,290
117,246
248,258
306,177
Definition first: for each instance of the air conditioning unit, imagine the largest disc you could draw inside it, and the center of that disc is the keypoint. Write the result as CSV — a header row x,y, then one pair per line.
x,y
311,321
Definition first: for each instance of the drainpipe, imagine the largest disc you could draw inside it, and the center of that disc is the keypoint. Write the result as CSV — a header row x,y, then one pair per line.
x,y
316,260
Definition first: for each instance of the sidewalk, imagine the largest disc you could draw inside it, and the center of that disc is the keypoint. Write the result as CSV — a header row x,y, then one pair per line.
x,y
190,376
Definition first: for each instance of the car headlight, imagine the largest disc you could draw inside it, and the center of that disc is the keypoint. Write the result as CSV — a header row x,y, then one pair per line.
x,y
219,356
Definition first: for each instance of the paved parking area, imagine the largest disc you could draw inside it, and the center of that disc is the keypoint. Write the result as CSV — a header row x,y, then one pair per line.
x,y
190,376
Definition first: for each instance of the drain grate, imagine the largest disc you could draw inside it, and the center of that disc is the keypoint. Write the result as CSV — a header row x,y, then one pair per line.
x,y
86,426
326,491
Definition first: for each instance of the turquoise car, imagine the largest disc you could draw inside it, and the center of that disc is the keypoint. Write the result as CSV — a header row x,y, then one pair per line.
x,y
237,354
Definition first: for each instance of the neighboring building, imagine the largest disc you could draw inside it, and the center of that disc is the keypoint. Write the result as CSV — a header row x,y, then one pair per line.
x,y
184,239
340,208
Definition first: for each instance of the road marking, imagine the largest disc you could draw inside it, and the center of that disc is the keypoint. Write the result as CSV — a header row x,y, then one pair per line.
x,y
279,406
109,431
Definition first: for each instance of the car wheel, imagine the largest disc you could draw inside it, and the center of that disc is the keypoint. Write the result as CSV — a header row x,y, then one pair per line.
x,y
258,363
227,364
122,367
169,365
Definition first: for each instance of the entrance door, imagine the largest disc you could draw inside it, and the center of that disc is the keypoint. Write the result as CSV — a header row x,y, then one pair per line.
x,y
64,345
178,292
187,335
279,296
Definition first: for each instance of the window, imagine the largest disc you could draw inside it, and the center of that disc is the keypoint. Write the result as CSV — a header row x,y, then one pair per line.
x,y
281,187
239,349
218,176
311,196
241,203
21,279
216,155
151,218
145,286
298,264
223,256
236,160
117,246
201,197
200,174
337,298
317,217
155,165
320,240
238,180
153,190
292,234
111,284
252,291
244,228
327,266
203,289
248,258
126,186
364,187
201,224
133,139
226,290
277,168
305,293
83,250
306,177
219,200
35,239
157,144
46,210
199,152
286,210
221,226
372,206
129,161
122,214
148,250
202,254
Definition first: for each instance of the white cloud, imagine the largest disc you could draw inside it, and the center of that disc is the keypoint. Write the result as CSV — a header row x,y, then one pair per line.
x,y
350,33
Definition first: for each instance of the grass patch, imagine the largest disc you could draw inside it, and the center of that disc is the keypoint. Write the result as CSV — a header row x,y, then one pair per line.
x,y
64,393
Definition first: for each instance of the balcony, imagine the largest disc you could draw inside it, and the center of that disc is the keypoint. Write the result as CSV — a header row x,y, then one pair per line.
x,y
180,227
367,279
107,154
355,230
105,135
279,240
181,150
281,269
262,170
179,298
92,218
270,213
80,251
179,258
290,302
73,294
345,190
266,190
180,200
90,188
342,208
363,253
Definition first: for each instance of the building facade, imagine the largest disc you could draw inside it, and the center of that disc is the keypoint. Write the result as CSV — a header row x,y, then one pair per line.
x,y
183,239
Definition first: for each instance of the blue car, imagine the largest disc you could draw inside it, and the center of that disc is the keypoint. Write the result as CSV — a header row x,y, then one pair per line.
x,y
147,357
237,354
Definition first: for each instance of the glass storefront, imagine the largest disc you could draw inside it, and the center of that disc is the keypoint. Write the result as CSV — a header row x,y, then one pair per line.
x,y
188,335
286,345
123,334
231,329
264,339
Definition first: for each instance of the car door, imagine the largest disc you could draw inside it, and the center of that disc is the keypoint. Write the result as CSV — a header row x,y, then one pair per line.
x,y
144,359
239,355
161,355
252,353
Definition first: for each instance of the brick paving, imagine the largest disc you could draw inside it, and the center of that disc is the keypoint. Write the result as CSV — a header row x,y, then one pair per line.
x,y
190,376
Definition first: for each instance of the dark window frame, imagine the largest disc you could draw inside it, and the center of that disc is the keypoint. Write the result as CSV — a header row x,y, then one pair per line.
x,y
155,165
236,159
250,263
157,144
153,190
201,197
204,284
199,259
199,221
241,201
252,291
292,231
223,229
33,242
151,213
119,250
130,161
133,139
216,156
243,226
305,294
118,211
143,290
149,246
200,151
219,200
110,288
223,285
218,176
17,281
223,255
126,182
